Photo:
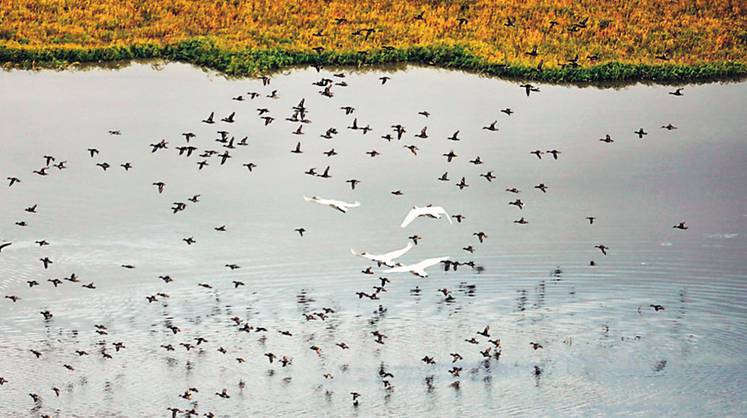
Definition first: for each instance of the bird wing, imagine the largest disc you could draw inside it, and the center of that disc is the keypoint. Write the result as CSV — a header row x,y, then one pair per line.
x,y
400,269
427,263
414,213
439,210
390,256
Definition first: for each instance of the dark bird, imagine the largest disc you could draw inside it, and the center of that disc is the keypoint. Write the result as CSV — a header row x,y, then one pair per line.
x,y
104,166
300,231
450,156
488,176
521,221
528,88
462,184
538,153
677,92
46,261
657,308
591,219
13,180
209,118
607,138
602,248
454,137
640,132
680,225
518,203
668,127
160,185
541,187
297,150
507,111
535,346
492,126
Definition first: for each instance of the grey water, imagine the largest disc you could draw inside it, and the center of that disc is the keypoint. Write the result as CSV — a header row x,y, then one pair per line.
x,y
605,352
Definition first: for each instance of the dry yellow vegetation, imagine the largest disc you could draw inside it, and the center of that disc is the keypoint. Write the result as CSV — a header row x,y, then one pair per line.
x,y
566,34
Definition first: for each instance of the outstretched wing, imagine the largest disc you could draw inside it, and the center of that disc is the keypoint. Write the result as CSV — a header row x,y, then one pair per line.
x,y
397,253
414,213
430,262
442,210
400,269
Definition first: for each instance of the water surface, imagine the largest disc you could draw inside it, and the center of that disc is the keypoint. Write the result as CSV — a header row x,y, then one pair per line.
x,y
606,352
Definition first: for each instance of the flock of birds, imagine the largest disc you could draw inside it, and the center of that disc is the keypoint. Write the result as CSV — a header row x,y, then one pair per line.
x,y
487,346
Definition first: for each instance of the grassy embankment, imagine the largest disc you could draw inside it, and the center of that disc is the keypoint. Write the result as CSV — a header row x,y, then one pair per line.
x,y
545,40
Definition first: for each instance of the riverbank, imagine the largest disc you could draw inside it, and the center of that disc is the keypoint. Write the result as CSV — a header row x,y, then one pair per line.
x,y
249,62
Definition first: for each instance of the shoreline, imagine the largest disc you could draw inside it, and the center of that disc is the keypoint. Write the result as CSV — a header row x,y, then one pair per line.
x,y
250,63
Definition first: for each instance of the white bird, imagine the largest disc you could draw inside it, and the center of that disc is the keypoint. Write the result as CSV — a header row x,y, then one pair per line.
x,y
384,259
417,269
434,212
336,204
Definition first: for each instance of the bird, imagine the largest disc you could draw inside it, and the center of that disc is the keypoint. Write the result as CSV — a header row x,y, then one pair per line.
x,y
680,225
386,259
602,248
417,269
335,204
538,153
668,127
541,187
13,180
591,219
640,132
209,119
492,126
554,153
450,156
462,184
607,138
229,118
528,88
300,231
353,183
454,137
488,176
46,261
297,150
521,221
160,185
677,92
434,212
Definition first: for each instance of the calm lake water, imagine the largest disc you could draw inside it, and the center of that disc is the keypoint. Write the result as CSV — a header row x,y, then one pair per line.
x,y
605,352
